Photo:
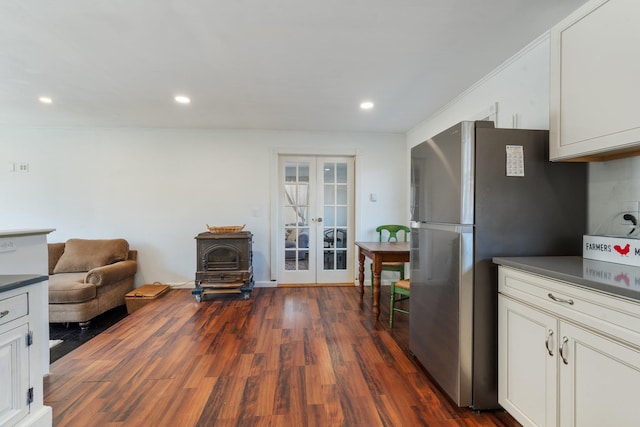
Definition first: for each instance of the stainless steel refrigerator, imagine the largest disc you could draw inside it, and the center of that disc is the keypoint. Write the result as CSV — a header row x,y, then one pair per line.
x,y
479,192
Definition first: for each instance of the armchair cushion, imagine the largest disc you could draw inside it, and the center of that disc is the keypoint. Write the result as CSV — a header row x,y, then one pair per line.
x,y
82,255
70,288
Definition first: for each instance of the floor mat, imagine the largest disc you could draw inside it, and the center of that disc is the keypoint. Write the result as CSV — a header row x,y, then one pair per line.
x,y
73,337
53,343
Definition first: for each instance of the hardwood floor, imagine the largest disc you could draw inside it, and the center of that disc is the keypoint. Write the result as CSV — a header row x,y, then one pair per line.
x,y
285,357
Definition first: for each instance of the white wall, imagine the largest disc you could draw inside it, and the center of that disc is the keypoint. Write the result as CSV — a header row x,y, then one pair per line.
x,y
158,188
612,184
519,88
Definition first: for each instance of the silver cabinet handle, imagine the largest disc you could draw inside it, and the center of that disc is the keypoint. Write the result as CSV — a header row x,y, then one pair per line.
x,y
565,340
547,342
556,299
3,313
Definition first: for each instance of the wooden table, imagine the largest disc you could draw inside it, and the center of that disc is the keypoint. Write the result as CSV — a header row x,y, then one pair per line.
x,y
378,253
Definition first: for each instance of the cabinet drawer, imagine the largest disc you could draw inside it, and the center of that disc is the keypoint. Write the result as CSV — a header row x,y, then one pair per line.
x,y
14,307
603,313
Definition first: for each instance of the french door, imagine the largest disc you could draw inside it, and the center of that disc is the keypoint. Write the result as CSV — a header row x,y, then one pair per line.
x,y
315,219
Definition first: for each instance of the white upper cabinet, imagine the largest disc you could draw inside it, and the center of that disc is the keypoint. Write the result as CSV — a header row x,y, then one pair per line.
x,y
595,82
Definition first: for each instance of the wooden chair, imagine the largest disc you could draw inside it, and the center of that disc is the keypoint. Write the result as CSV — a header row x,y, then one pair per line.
x,y
399,292
389,233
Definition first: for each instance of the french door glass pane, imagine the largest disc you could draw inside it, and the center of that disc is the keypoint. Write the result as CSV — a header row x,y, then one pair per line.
x,y
335,216
290,172
329,173
341,173
329,195
341,216
329,216
341,238
303,175
296,216
341,196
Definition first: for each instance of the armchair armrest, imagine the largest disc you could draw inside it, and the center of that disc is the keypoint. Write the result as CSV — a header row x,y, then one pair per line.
x,y
112,273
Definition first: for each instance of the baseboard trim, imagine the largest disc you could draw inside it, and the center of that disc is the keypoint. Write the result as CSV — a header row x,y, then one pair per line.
x,y
315,285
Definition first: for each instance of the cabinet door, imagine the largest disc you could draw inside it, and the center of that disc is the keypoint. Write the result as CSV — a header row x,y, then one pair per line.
x,y
599,380
527,363
14,371
594,71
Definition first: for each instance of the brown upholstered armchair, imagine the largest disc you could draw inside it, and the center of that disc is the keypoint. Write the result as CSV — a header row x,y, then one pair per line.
x,y
88,277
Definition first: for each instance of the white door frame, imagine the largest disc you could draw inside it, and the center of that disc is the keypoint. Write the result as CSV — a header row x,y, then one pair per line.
x,y
275,192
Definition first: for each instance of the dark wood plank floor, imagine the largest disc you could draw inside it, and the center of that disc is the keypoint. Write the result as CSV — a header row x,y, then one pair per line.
x,y
286,357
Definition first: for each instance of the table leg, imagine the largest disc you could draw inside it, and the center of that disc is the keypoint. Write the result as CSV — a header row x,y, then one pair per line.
x,y
377,271
361,270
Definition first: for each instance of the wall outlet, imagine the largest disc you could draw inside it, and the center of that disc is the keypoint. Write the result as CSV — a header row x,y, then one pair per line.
x,y
18,167
631,208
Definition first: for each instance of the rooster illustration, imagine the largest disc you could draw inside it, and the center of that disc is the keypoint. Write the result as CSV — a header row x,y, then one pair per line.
x,y
622,277
622,251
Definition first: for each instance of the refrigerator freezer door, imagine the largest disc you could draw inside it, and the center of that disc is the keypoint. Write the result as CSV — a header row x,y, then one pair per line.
x,y
441,306
442,177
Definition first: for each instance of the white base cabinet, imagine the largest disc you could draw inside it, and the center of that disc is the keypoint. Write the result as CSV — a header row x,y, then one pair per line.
x,y
599,380
567,356
14,371
527,373
21,386
24,329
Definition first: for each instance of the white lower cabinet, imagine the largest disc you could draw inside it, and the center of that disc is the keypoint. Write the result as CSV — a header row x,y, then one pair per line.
x,y
21,384
599,380
527,371
559,364
14,371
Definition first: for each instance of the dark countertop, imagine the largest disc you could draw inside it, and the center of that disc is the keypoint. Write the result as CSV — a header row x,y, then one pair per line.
x,y
13,281
615,279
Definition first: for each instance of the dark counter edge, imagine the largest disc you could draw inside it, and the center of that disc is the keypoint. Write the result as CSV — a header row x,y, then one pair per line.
x,y
13,281
568,269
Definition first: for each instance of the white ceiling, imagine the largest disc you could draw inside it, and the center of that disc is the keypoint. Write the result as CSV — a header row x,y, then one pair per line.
x,y
254,64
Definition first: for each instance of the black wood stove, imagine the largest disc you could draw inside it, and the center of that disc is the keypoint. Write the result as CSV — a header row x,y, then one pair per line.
x,y
224,264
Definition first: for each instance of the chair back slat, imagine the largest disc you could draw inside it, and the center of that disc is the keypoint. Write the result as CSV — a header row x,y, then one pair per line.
x,y
389,233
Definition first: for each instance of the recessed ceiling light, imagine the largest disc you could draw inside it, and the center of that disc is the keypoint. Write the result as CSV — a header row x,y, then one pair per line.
x,y
180,99
45,100
366,105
